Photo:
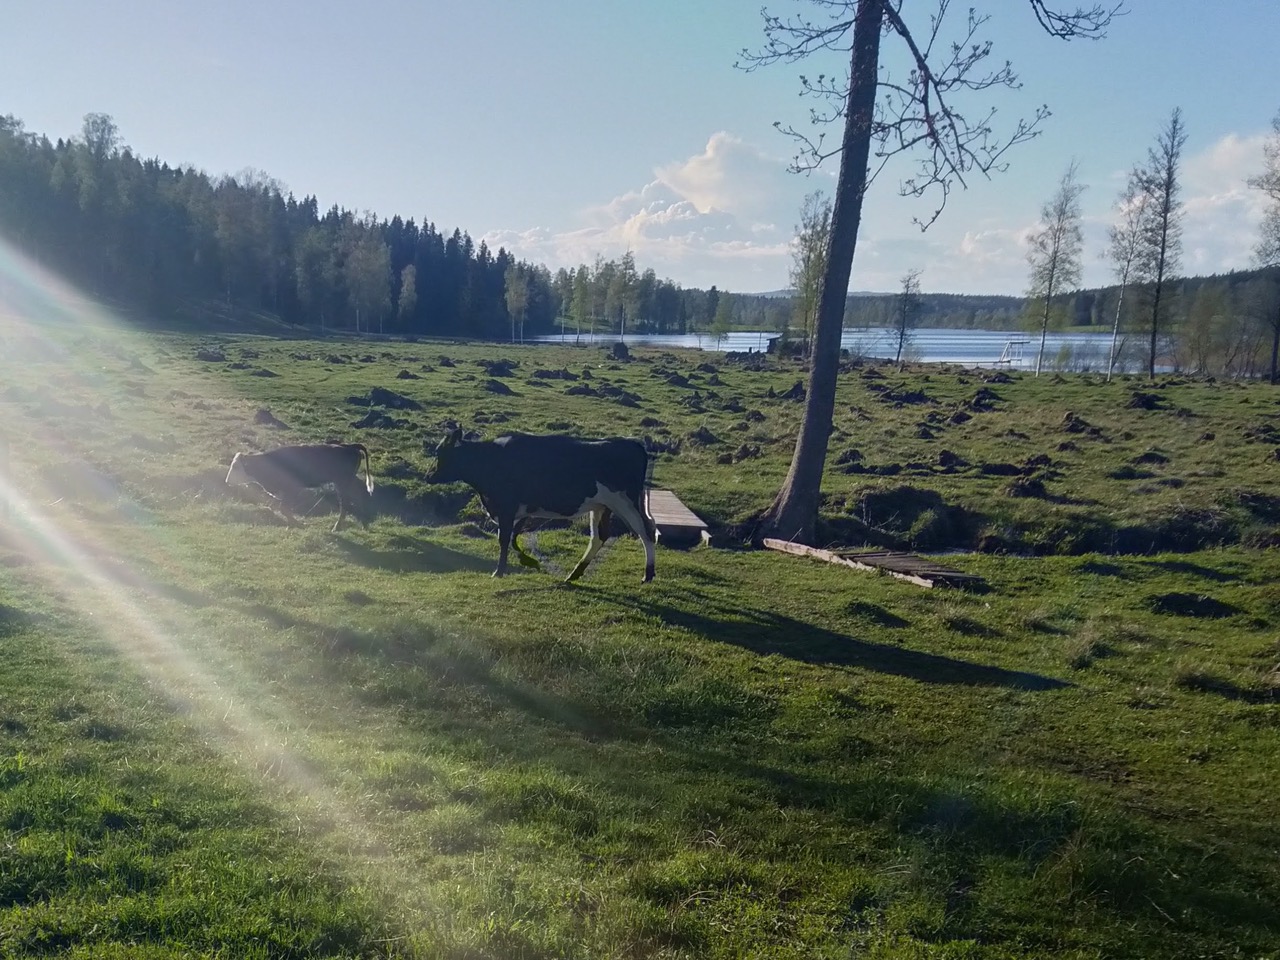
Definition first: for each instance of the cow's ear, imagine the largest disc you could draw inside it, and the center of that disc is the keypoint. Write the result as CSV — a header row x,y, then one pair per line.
x,y
455,436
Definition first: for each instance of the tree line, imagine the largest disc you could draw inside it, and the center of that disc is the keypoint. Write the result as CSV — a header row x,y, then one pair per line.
x,y
141,233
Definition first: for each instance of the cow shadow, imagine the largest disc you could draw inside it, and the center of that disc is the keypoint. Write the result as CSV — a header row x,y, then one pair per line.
x,y
765,632
423,646
409,555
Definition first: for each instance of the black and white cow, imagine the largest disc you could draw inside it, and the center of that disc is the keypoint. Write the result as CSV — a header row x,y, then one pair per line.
x,y
285,471
521,476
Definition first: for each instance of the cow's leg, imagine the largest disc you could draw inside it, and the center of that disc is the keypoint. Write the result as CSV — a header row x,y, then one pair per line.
x,y
342,508
506,532
524,559
599,531
353,500
283,508
642,525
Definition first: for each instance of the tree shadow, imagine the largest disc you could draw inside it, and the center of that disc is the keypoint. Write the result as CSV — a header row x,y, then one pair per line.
x,y
1193,569
765,632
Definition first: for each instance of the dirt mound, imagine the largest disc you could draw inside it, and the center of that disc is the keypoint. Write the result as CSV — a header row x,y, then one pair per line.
x,y
498,368
1143,401
382,397
704,437
266,418
1191,605
377,420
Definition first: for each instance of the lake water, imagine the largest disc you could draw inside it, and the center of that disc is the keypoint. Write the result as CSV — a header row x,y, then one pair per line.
x,y
974,348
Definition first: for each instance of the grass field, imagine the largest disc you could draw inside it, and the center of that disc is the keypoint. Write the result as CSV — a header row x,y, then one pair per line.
x,y
223,737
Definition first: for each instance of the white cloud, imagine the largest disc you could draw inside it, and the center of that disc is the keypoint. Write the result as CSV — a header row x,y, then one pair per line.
x,y
722,216
726,216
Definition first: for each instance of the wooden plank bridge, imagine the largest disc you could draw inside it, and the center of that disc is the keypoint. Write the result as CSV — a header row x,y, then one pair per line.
x,y
676,523
904,566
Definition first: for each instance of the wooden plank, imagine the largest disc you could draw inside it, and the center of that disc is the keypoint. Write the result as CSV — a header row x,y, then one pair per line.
x,y
665,504
907,562
904,566
673,519
802,550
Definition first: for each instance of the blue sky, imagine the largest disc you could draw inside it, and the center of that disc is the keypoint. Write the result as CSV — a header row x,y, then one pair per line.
x,y
572,128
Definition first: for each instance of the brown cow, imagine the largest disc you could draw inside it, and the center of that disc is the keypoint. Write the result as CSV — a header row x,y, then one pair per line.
x,y
286,470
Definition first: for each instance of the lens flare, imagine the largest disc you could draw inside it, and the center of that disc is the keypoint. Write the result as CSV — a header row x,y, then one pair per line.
x,y
66,509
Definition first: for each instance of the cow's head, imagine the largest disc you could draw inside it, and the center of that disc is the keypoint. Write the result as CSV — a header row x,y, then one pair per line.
x,y
447,458
237,475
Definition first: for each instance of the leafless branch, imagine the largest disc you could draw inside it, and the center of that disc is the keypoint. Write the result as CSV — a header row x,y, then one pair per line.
x,y
918,112
1088,23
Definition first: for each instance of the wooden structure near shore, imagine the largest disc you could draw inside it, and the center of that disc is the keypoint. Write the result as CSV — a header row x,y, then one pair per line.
x,y
904,566
677,524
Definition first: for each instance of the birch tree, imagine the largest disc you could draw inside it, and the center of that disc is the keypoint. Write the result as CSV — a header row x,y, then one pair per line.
x,y
1124,244
516,282
906,311
1055,251
1161,232
1267,252
809,262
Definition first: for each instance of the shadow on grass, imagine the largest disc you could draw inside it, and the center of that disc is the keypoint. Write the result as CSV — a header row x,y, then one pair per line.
x,y
465,668
409,555
765,632
1193,569
14,620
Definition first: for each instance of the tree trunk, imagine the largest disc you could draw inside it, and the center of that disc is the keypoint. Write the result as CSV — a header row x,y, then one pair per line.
x,y
1155,324
1275,346
794,512
1115,329
1044,332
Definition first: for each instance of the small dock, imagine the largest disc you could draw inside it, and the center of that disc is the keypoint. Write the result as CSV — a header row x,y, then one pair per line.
x,y
1012,352
676,523
904,566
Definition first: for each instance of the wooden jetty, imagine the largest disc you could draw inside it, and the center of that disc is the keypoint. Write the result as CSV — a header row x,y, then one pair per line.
x,y
904,566
676,523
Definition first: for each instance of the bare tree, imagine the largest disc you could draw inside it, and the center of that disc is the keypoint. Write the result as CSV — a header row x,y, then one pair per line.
x,y
1124,244
897,114
1055,250
906,311
1267,252
1161,232
809,261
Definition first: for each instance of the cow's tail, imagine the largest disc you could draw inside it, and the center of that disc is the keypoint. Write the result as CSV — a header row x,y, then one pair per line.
x,y
368,473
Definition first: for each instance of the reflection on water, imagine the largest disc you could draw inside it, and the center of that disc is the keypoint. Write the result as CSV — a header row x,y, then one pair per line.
x,y
1062,351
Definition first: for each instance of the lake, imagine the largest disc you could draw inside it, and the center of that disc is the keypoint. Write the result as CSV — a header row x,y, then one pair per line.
x,y
974,348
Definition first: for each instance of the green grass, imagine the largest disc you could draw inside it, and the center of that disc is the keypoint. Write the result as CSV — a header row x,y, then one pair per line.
x,y
221,737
